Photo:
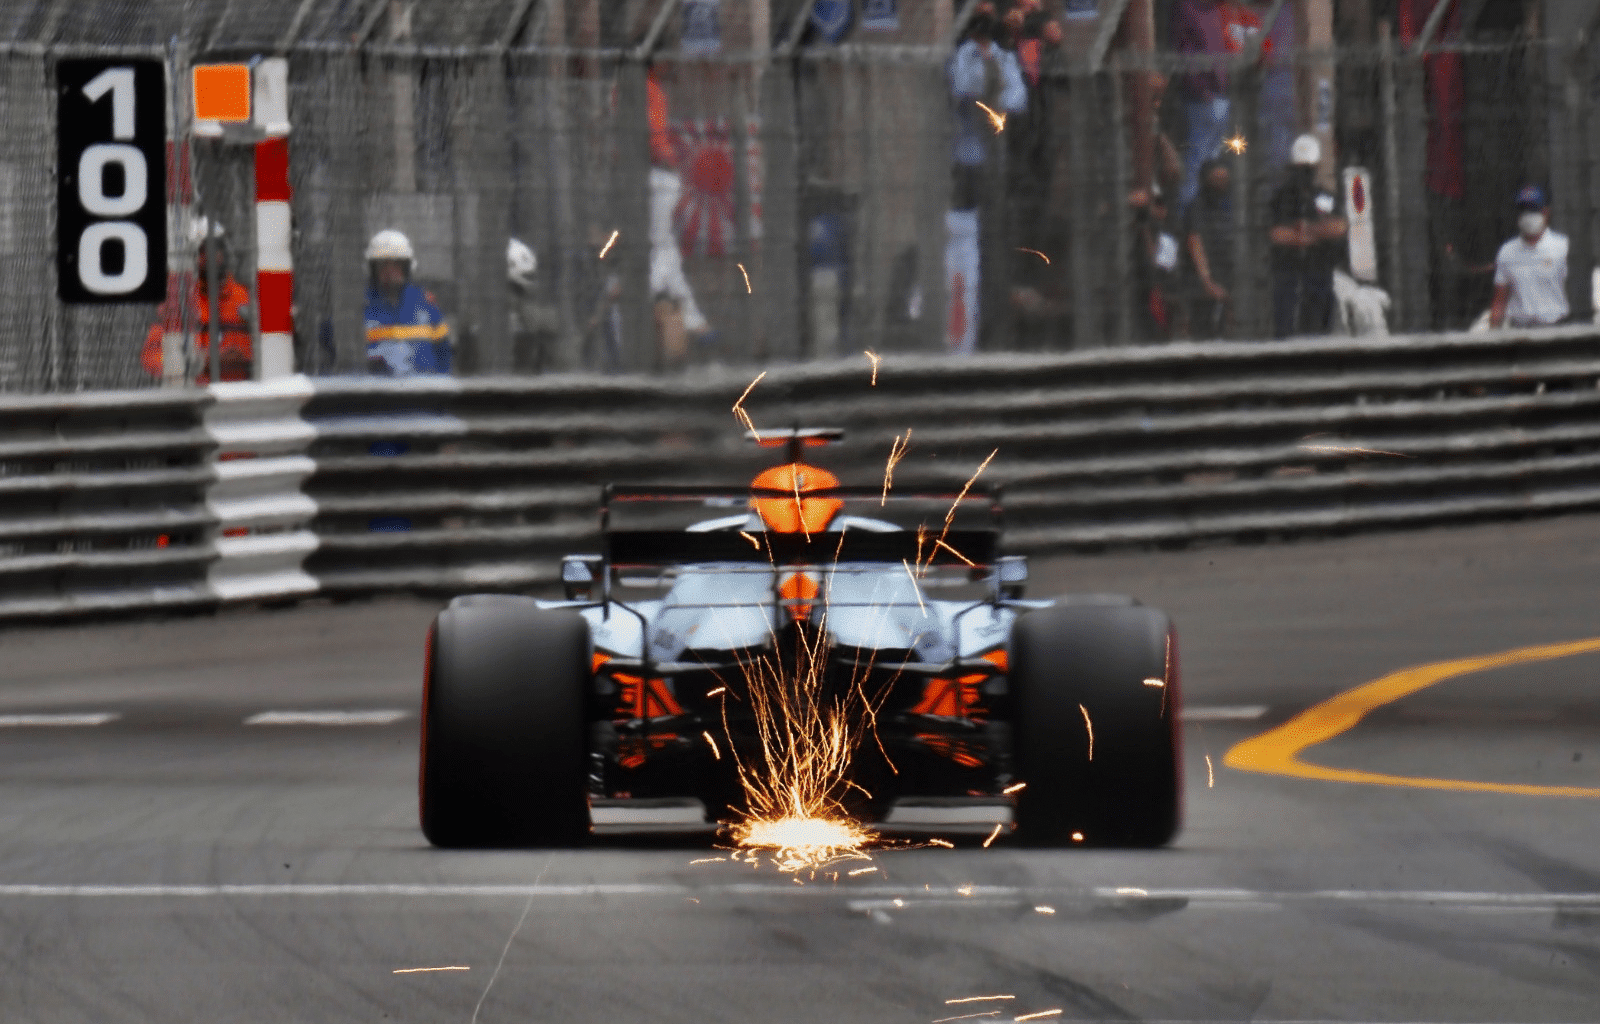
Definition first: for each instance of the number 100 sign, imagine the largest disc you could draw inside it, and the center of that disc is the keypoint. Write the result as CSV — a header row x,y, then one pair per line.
x,y
111,214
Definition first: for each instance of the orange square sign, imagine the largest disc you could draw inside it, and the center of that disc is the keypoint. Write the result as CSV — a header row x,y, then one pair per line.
x,y
222,92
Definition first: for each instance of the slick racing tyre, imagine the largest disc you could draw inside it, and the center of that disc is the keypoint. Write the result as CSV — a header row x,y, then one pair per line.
x,y
1080,670
504,751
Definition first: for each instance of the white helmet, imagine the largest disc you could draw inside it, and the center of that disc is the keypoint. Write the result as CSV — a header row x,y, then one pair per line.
x,y
521,263
1306,150
390,244
199,225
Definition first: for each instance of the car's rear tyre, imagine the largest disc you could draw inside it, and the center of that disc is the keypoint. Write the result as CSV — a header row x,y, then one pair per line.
x,y
1072,659
504,744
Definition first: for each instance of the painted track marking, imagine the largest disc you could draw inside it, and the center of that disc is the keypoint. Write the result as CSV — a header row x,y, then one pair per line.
x,y
1224,713
386,716
1277,751
58,720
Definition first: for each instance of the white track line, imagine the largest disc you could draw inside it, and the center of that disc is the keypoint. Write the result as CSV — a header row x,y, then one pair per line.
x,y
975,895
61,720
1231,713
386,716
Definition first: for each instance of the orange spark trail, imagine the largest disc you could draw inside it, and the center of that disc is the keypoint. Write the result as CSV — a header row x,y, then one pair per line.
x,y
1211,777
897,451
1037,1016
995,118
914,588
860,871
716,690
738,407
751,538
1039,254
420,970
1089,726
714,751
1015,787
953,551
950,516
975,999
992,835
609,243
876,359
967,1016
746,274
940,842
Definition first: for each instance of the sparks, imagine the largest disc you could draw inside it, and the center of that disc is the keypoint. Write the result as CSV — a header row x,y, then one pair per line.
x,y
421,970
967,1016
746,274
738,407
860,871
953,551
709,860
876,359
716,690
897,451
914,588
1077,837
1037,253
1238,144
1352,450
1153,681
975,999
609,243
1211,776
949,517
751,538
965,890
1090,727
1042,909
1128,890
713,743
992,835
995,118
1015,787
1042,1014
942,842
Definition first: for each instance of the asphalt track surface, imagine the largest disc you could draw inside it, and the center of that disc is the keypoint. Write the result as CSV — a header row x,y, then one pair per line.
x,y
174,864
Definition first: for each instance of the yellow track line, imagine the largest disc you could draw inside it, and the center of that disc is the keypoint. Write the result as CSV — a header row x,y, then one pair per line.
x,y
1277,751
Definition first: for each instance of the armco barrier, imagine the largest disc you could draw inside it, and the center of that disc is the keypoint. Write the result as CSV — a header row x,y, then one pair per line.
x,y
153,500
347,486
484,483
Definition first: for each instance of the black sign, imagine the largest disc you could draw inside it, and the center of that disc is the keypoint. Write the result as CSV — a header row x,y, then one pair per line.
x,y
111,208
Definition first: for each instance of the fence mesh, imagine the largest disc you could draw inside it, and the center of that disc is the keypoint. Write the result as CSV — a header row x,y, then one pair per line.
x,y
741,188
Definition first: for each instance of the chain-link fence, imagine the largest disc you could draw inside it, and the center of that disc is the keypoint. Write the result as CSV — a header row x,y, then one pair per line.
x,y
740,183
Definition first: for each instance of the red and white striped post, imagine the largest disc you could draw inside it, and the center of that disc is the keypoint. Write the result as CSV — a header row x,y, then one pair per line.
x,y
274,263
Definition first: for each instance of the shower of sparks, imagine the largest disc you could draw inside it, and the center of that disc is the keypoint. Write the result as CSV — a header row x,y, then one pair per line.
x,y
1344,449
716,690
421,970
1015,787
1042,909
876,359
860,871
942,842
1037,253
975,999
738,407
995,117
967,1016
1090,727
1238,144
609,243
714,751
751,538
1153,681
1211,776
992,835
1041,1015
746,274
897,451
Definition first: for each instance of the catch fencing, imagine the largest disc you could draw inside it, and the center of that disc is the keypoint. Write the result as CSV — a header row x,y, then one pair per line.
x,y
138,500
813,192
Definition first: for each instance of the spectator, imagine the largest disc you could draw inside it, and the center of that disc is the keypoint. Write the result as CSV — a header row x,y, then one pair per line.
x,y
534,324
1306,236
1159,307
1198,31
406,334
164,353
677,316
981,72
1208,243
1530,273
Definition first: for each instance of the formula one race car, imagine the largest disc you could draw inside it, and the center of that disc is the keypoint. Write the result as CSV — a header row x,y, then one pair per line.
x,y
638,686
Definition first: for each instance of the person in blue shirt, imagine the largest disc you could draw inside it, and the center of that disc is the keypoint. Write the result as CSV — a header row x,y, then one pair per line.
x,y
406,333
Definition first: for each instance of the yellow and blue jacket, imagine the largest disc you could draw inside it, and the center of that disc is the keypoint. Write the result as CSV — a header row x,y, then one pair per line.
x,y
408,338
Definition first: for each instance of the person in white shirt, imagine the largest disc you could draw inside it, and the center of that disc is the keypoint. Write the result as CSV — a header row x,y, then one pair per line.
x,y
1530,274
